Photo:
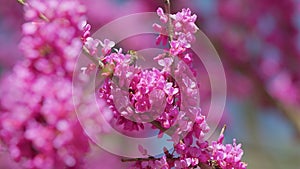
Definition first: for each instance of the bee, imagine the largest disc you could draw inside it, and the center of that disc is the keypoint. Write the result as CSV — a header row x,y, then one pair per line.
x,y
214,164
134,57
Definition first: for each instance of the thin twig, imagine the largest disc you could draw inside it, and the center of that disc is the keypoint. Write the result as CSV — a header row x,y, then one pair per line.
x,y
168,12
158,126
90,57
205,166
201,165
41,15
22,2
223,129
147,159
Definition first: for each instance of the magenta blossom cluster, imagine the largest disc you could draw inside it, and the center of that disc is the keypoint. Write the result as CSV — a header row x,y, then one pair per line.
x,y
203,155
38,122
263,48
39,126
52,34
227,156
182,31
166,98
192,151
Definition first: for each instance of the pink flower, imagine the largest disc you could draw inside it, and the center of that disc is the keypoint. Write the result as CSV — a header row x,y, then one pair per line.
x,y
92,45
162,15
53,35
142,150
166,63
184,21
177,47
86,31
45,121
107,45
170,91
163,36
227,156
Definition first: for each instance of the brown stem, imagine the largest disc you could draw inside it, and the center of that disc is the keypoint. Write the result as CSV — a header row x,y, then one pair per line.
x,y
168,12
135,159
169,131
201,165
158,126
41,15
223,129
90,57
205,166
147,159
22,2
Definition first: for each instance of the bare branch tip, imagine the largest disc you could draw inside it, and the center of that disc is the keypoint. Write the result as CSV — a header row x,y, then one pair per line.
x,y
22,2
223,129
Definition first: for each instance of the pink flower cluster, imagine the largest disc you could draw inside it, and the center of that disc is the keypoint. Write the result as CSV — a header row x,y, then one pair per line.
x,y
183,28
52,34
263,48
38,120
38,123
39,126
227,156
136,96
192,150
201,155
188,154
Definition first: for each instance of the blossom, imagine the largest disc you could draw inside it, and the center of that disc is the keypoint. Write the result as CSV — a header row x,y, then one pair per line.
x,y
107,45
227,156
184,21
39,126
163,36
183,26
190,148
170,91
92,45
86,31
52,35
38,122
162,15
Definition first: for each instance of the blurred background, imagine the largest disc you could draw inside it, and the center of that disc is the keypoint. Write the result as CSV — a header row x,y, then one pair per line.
x,y
258,42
